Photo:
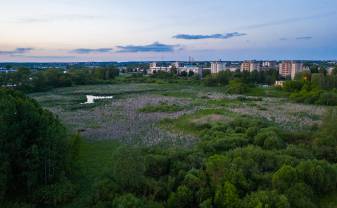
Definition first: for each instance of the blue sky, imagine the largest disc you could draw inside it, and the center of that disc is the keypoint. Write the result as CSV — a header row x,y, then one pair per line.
x,y
129,30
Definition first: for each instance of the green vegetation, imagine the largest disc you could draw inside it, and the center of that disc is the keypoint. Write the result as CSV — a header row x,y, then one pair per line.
x,y
317,89
162,107
210,149
240,163
37,155
29,81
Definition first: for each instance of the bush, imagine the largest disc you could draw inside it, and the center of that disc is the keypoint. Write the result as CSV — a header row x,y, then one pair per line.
x,y
237,87
55,194
162,107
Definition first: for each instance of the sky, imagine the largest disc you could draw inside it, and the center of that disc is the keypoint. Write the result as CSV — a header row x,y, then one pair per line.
x,y
159,30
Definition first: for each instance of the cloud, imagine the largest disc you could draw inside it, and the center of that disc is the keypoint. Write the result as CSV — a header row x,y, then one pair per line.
x,y
88,50
283,39
212,36
155,47
289,20
54,18
16,51
45,57
304,38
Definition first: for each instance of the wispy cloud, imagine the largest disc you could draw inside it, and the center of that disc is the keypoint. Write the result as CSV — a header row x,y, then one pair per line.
x,y
304,38
297,38
45,57
155,47
212,36
289,20
54,18
16,51
89,50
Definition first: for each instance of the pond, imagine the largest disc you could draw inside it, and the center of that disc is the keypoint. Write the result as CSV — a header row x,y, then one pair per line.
x,y
91,98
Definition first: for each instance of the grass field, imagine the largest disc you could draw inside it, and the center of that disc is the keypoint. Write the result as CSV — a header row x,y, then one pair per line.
x,y
158,114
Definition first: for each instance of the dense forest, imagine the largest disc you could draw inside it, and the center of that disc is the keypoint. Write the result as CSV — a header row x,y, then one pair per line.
x,y
37,154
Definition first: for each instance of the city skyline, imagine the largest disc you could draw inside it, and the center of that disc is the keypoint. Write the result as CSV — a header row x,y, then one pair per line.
x,y
130,30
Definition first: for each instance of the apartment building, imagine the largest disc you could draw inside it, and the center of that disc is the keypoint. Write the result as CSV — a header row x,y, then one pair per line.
x,y
217,67
250,66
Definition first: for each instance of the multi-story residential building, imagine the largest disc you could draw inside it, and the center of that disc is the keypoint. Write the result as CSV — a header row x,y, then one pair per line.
x,y
250,66
176,65
217,67
285,68
296,68
189,68
290,68
269,64
154,68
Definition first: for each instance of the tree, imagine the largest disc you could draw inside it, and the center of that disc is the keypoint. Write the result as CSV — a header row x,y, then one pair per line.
x,y
182,198
226,196
319,175
128,201
128,169
284,178
34,151
300,195
325,143
265,199
237,87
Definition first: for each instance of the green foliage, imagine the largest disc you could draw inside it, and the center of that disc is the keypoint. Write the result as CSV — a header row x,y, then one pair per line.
x,y
34,149
266,199
128,169
127,201
28,81
320,90
226,196
284,178
237,87
325,143
182,198
54,194
162,107
269,138
319,175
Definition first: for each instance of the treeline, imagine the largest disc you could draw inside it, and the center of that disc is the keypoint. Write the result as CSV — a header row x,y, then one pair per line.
x,y
245,163
267,77
30,81
37,155
317,88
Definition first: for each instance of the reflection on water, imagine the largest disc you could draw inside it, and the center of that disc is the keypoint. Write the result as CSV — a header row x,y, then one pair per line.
x,y
91,99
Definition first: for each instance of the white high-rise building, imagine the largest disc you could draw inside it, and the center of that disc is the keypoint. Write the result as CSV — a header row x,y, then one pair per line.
x,y
217,67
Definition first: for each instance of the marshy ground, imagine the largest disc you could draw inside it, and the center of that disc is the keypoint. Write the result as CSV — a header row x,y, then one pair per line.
x,y
128,116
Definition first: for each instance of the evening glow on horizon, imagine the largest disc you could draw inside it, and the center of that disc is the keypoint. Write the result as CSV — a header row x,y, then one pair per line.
x,y
134,30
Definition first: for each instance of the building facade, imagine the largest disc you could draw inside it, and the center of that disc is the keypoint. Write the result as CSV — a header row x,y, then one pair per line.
x,y
290,69
250,66
154,68
217,66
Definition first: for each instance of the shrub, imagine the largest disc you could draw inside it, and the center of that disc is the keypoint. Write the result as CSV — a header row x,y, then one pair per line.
x,y
237,87
162,107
